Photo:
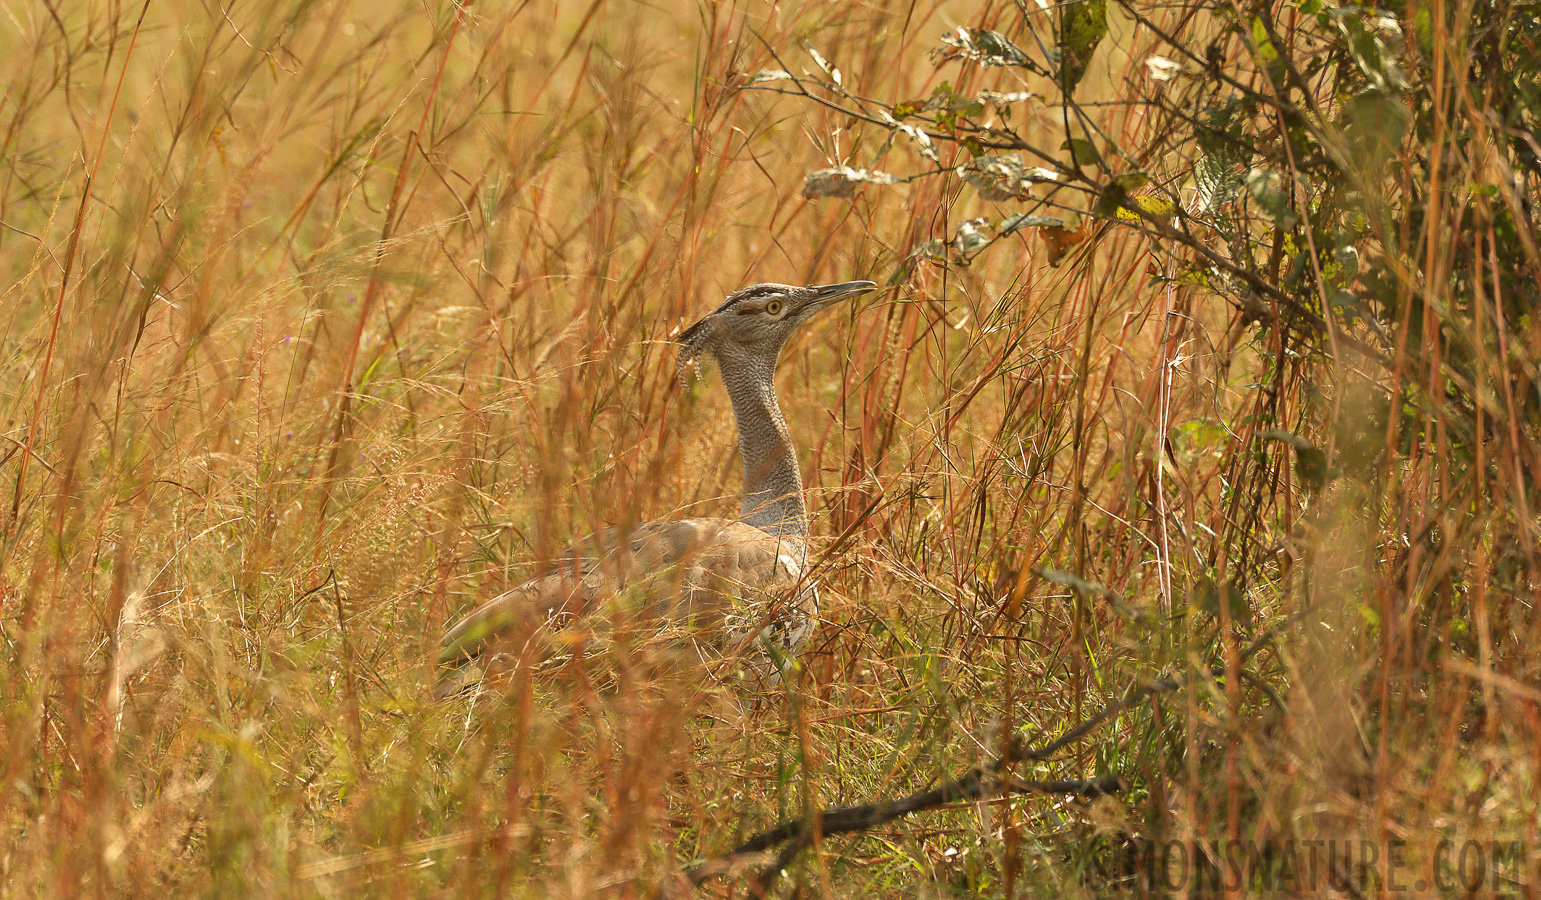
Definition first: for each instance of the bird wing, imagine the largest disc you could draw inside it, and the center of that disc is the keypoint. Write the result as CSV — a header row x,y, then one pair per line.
x,y
705,573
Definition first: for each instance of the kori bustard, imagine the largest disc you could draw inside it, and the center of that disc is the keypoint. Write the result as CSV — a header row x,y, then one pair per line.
x,y
734,586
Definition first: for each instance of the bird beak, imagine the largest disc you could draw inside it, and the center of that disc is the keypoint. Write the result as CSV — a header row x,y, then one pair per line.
x,y
828,293
825,294
821,296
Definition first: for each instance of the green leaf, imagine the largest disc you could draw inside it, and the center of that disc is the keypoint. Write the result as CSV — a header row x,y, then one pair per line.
x,y
1346,255
1206,596
1116,200
1110,201
1155,207
1310,461
1423,27
1285,437
1375,50
1197,277
1374,124
1217,180
1082,27
1082,152
1311,466
1074,582
1359,433
1265,48
1267,190
1089,589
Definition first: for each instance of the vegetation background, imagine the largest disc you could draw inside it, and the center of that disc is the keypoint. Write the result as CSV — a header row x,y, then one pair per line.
x,y
1207,352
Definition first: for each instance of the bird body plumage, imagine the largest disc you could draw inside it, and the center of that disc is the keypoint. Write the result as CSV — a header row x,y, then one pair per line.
x,y
726,585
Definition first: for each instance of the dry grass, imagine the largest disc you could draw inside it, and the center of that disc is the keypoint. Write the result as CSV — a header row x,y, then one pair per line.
x,y
325,322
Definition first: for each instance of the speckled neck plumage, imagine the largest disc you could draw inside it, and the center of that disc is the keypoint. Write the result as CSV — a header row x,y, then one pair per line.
x,y
773,487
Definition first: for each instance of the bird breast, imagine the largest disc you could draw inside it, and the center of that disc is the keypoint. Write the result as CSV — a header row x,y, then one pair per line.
x,y
731,588
743,589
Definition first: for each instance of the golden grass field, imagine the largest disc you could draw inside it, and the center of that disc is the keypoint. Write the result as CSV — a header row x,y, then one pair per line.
x,y
325,321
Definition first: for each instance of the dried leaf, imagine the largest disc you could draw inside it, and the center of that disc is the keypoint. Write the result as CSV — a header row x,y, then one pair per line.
x,y
770,75
1162,69
996,177
922,142
1059,240
837,182
971,238
841,181
1022,220
822,63
999,99
933,249
988,48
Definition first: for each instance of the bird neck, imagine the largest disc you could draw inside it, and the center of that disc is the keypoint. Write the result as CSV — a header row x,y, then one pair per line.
x,y
773,487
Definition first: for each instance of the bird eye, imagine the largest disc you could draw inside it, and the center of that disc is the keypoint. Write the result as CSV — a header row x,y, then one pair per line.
x,y
773,307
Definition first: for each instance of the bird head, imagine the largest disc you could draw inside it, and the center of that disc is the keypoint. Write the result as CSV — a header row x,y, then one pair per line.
x,y
754,322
